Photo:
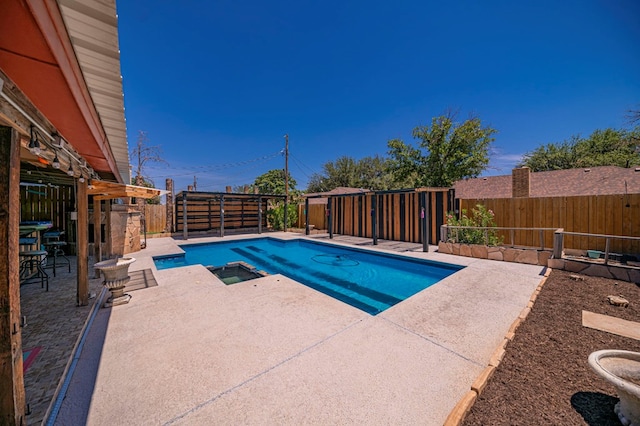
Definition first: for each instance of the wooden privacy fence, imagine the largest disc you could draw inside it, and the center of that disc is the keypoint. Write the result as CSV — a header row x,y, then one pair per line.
x,y
391,215
597,214
155,218
47,203
205,211
317,216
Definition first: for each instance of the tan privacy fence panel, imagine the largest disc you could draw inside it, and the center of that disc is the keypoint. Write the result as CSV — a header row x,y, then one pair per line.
x,y
317,216
156,217
602,214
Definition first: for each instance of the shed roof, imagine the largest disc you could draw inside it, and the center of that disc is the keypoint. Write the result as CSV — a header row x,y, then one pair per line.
x,y
341,190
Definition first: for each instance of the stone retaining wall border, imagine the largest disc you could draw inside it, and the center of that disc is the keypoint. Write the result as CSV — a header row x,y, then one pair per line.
x,y
534,256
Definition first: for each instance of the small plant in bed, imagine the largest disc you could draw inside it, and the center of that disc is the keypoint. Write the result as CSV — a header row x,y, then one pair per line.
x,y
479,217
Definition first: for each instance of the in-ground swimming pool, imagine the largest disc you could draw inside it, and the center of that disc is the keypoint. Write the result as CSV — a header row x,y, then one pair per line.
x,y
367,280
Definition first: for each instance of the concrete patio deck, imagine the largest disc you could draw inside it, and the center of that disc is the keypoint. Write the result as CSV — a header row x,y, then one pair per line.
x,y
194,351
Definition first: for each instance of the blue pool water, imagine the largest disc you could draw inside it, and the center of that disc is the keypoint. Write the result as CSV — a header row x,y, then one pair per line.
x,y
366,280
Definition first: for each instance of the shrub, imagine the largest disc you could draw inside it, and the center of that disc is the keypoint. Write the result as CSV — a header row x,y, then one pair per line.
x,y
480,217
275,215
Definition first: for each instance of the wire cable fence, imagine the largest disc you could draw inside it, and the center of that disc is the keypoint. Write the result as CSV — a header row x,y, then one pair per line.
x,y
486,234
456,234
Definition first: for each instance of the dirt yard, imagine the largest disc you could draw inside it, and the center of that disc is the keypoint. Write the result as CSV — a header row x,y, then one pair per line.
x,y
544,377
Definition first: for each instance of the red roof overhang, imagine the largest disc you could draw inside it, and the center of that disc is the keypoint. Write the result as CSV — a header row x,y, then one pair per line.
x,y
37,54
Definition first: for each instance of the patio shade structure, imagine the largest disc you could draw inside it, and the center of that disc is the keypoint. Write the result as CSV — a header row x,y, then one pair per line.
x,y
102,190
60,81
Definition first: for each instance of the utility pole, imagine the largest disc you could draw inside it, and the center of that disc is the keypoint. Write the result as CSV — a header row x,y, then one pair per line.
x,y
286,179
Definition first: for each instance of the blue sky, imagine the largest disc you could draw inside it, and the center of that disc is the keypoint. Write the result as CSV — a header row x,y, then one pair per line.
x,y
217,84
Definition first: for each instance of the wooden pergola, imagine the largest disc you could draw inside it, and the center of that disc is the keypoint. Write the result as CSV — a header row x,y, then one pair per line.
x,y
103,190
60,83
107,191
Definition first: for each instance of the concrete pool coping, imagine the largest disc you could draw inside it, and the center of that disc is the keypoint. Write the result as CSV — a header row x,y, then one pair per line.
x,y
270,350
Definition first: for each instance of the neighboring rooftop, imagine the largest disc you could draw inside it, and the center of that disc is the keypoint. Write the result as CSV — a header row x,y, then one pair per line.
x,y
320,197
605,180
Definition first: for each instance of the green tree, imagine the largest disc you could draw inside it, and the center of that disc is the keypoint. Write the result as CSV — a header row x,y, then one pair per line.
x,y
368,172
446,151
609,147
272,182
550,157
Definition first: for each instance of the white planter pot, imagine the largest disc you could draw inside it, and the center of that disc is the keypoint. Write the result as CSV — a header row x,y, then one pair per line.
x,y
116,277
621,369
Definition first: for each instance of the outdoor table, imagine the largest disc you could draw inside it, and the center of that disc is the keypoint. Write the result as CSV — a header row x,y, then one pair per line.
x,y
34,226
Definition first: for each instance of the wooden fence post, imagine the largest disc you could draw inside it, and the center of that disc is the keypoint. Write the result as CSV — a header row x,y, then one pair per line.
x,y
12,402
169,225
558,243
222,215
259,215
374,219
185,231
330,214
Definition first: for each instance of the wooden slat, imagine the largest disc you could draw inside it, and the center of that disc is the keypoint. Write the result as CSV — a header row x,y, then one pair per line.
x,y
610,221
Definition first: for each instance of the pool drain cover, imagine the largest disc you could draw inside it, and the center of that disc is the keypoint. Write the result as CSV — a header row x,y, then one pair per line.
x,y
335,260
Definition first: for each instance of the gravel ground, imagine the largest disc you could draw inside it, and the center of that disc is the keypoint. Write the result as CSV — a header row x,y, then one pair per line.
x,y
544,377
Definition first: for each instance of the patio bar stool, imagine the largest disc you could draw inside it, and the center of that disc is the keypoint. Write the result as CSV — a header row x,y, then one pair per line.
x,y
31,267
54,245
54,248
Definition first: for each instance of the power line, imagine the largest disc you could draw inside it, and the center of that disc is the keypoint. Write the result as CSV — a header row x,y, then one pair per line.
x,y
300,168
199,169
302,164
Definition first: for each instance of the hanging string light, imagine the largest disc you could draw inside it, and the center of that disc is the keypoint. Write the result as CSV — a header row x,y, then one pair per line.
x,y
34,144
55,163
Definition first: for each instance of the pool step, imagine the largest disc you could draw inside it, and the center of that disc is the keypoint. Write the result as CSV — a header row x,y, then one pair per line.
x,y
289,269
356,288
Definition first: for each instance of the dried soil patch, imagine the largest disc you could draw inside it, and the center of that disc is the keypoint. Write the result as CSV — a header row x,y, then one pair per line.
x,y
544,377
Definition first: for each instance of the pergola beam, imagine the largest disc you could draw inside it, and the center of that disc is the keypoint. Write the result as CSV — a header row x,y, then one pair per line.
x,y
102,190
